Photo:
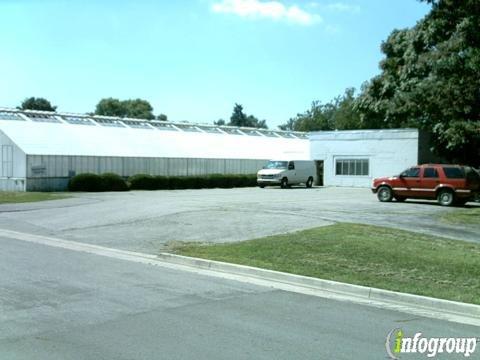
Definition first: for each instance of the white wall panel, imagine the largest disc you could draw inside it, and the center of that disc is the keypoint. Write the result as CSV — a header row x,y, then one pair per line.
x,y
388,151
16,168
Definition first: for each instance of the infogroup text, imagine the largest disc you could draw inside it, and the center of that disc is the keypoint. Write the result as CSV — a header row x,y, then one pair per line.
x,y
397,343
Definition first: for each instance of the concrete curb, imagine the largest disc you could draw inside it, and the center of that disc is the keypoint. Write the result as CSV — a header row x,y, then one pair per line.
x,y
407,303
363,293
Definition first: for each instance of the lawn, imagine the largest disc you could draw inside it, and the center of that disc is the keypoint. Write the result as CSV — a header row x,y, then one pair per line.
x,y
463,216
361,254
23,197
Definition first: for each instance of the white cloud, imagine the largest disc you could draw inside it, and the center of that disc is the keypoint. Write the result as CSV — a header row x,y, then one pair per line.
x,y
342,7
266,9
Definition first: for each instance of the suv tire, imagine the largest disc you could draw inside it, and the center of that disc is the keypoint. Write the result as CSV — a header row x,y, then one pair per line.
x,y
384,194
445,197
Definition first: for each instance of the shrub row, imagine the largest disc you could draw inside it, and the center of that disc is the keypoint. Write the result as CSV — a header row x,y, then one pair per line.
x,y
149,182
114,182
94,182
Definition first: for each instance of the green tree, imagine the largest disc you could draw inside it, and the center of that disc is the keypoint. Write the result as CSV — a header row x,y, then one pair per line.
x,y
289,125
33,103
239,118
219,122
137,109
345,116
162,117
110,107
252,121
337,114
430,79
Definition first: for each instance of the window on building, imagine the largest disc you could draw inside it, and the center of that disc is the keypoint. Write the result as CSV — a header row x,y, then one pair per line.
x,y
352,167
430,173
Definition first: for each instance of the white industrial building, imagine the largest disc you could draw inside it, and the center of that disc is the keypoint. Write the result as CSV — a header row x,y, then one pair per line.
x,y
42,150
354,158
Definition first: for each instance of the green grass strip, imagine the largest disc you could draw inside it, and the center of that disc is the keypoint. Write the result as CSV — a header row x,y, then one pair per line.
x,y
23,197
362,254
463,217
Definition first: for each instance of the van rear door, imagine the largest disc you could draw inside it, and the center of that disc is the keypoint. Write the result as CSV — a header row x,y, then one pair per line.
x,y
292,172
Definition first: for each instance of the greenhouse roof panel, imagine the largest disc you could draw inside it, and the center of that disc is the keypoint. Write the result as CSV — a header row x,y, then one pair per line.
x,y
10,116
44,133
42,118
75,120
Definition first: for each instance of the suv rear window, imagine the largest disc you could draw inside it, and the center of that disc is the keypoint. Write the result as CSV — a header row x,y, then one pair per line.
x,y
454,172
472,175
430,173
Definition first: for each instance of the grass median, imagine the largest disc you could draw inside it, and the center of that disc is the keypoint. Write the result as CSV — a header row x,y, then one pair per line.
x,y
468,216
366,255
23,197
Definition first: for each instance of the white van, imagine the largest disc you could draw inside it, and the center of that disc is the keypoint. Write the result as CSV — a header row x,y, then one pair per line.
x,y
286,173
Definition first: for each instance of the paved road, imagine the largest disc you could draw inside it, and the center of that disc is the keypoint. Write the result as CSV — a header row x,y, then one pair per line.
x,y
58,304
145,221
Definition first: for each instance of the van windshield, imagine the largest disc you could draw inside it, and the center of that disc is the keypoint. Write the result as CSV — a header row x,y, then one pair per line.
x,y
277,165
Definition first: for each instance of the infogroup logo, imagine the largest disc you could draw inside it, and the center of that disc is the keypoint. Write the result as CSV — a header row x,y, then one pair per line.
x,y
397,344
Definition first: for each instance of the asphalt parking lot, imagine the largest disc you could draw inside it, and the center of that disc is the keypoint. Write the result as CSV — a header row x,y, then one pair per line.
x,y
147,221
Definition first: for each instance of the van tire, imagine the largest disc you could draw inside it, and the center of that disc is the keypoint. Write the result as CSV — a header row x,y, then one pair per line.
x,y
309,182
284,183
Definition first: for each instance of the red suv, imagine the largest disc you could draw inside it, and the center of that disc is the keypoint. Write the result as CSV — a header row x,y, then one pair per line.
x,y
449,184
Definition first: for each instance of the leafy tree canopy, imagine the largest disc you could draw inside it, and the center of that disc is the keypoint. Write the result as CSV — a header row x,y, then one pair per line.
x,y
33,103
430,79
137,109
110,107
338,114
239,118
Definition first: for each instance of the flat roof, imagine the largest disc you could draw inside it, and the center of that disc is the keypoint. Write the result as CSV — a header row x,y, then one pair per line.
x,y
370,134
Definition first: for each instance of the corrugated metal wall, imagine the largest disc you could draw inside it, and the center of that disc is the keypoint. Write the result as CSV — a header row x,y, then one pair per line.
x,y
51,172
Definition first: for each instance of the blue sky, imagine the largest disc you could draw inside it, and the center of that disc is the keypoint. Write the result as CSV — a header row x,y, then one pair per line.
x,y
193,59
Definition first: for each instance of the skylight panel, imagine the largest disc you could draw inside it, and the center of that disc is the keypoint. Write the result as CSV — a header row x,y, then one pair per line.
x,y
10,116
75,120
269,133
137,124
302,135
211,129
251,132
232,131
188,128
163,126
109,122
287,135
46,118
